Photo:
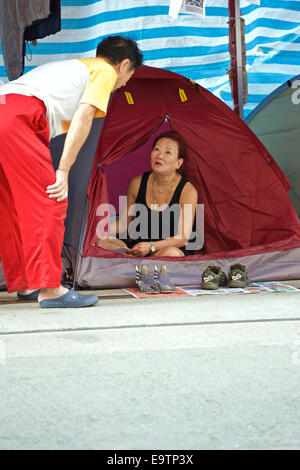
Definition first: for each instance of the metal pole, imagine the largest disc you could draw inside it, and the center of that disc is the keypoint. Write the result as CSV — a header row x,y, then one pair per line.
x,y
239,59
236,51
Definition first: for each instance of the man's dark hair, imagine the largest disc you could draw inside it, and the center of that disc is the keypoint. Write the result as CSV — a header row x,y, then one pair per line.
x,y
118,48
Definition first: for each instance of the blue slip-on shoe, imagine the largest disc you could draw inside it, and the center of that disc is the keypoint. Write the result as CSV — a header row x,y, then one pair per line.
x,y
33,296
70,300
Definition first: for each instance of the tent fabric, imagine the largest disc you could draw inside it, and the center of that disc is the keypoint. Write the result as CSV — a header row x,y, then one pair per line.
x,y
276,122
191,46
78,180
241,186
261,265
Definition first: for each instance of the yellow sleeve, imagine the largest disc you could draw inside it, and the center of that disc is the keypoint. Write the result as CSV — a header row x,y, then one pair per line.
x,y
98,90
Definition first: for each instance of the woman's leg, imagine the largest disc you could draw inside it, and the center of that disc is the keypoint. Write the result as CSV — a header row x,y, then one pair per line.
x,y
171,251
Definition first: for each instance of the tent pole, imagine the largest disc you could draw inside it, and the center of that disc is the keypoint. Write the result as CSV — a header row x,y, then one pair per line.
x,y
236,52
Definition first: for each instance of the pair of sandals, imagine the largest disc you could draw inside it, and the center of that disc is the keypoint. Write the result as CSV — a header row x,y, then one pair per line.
x,y
153,281
71,299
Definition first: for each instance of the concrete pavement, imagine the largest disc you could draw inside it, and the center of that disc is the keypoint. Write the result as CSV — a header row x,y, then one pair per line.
x,y
209,372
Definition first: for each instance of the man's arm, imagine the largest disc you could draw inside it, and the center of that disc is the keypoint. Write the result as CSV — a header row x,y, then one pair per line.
x,y
76,137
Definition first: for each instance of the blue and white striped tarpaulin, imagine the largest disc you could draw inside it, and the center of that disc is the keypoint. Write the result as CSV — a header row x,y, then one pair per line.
x,y
190,45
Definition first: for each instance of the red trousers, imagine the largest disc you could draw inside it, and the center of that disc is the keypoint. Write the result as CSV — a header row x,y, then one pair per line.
x,y
31,224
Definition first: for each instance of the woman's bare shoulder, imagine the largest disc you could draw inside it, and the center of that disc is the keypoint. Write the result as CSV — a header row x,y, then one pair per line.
x,y
189,187
189,191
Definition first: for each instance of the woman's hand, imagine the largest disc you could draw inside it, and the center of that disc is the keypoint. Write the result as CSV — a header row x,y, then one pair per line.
x,y
59,190
140,249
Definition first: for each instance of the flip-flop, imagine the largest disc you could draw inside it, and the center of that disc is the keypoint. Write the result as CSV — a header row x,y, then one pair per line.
x,y
70,300
33,296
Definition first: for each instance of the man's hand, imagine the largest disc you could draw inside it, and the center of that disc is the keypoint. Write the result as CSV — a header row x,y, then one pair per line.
x,y
59,190
140,249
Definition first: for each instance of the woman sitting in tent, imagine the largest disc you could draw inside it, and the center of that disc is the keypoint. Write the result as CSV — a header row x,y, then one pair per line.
x,y
161,206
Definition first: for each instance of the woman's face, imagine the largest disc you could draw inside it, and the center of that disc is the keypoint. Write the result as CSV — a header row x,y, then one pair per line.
x,y
164,156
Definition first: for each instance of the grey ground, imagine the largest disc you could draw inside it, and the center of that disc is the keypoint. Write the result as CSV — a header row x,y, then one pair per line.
x,y
209,372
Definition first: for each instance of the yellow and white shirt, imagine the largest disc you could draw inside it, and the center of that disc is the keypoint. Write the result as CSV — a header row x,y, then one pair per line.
x,y
64,85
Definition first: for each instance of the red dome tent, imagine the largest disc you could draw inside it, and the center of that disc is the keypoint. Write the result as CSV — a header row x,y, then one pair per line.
x,y
248,215
242,187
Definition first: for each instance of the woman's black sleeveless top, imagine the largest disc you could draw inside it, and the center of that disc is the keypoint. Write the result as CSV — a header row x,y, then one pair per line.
x,y
155,225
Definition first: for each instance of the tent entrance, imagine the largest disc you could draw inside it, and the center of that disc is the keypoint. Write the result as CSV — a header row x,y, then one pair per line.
x,y
119,173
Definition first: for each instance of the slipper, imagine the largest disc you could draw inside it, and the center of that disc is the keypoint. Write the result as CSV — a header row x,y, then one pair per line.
x,y
33,296
70,300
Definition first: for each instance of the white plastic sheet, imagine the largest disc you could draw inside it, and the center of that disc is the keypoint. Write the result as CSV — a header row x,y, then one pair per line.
x,y
193,7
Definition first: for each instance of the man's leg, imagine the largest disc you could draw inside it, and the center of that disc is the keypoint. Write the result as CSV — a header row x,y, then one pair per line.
x,y
26,162
40,219
11,249
27,165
